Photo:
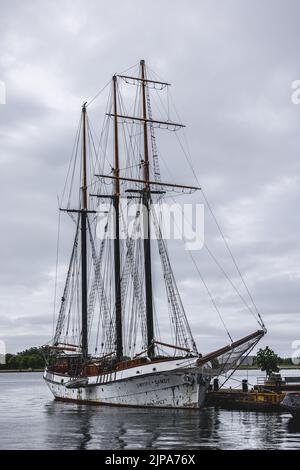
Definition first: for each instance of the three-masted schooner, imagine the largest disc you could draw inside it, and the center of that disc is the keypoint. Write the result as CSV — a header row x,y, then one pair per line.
x,y
108,297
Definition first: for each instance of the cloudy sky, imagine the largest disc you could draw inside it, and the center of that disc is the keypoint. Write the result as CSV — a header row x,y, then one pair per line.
x,y
231,64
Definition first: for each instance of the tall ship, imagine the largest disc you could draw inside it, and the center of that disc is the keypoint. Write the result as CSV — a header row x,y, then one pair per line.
x,y
122,334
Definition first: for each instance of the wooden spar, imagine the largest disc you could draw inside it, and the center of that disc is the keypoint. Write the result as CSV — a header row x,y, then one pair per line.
x,y
84,330
68,344
144,80
219,352
77,210
173,346
158,183
147,234
145,120
106,355
116,203
63,348
142,352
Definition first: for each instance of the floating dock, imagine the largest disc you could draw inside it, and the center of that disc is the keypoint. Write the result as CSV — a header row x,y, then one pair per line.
x,y
263,397
279,384
252,400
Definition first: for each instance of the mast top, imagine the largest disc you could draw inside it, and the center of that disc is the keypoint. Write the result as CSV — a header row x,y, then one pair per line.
x,y
84,160
142,78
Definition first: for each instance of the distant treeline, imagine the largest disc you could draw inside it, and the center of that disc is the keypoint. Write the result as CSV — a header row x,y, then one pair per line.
x,y
31,358
282,361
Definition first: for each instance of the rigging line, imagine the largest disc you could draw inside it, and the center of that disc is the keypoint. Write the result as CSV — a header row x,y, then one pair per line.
x,y
210,296
92,146
160,111
91,132
73,156
223,237
188,158
183,332
97,94
129,167
233,259
129,68
103,139
61,315
102,89
229,280
131,262
207,289
249,351
167,110
161,79
56,270
233,378
224,273
127,129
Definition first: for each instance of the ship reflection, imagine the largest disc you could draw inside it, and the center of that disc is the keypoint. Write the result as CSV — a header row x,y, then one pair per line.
x,y
72,426
82,427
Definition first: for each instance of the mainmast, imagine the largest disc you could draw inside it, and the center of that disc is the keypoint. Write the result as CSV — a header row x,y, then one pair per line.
x,y
147,233
116,204
83,216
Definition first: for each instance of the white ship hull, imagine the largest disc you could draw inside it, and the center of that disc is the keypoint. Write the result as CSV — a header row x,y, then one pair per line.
x,y
178,383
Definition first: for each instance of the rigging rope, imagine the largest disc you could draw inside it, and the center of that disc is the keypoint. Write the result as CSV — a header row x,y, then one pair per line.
x,y
188,159
259,320
56,271
233,260
61,316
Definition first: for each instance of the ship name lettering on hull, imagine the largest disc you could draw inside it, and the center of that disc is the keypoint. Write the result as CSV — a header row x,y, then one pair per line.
x,y
153,382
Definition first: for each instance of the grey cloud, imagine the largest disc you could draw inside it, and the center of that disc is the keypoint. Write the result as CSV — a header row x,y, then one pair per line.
x,y
231,65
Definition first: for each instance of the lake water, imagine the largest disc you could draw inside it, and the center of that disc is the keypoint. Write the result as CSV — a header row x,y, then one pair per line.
x,y
31,419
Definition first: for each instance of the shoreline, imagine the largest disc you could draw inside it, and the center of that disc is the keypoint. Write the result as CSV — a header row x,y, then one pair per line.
x,y
5,371
287,367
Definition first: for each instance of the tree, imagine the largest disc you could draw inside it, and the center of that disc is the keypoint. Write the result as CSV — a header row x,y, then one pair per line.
x,y
267,360
14,362
25,362
32,358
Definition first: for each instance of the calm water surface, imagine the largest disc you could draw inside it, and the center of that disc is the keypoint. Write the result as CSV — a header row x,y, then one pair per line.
x,y
31,419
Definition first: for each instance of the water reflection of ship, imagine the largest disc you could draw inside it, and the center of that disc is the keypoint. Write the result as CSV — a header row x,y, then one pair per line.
x,y
73,422
125,428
